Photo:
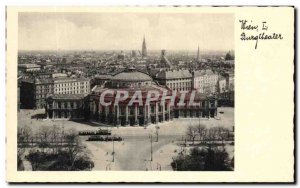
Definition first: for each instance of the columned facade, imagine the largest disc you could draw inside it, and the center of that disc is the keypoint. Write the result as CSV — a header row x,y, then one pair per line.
x,y
124,115
65,107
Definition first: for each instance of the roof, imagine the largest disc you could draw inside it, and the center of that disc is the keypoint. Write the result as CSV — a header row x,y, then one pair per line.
x,y
103,76
29,65
203,73
132,76
174,74
38,80
69,79
67,96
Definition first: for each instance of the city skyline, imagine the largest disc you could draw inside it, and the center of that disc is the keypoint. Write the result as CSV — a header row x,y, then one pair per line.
x,y
125,31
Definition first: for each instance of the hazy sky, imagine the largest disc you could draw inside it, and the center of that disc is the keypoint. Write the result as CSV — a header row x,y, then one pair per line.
x,y
124,31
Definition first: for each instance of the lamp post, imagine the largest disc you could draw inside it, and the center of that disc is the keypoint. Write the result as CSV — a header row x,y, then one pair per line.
x,y
158,167
151,151
113,153
156,132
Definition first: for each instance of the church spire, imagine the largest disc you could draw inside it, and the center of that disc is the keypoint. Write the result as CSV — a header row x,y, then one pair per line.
x,y
198,55
144,48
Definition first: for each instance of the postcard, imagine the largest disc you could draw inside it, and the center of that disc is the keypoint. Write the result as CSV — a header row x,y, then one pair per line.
x,y
163,94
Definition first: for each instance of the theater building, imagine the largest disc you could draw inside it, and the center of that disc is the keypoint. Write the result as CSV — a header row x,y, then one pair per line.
x,y
123,113
205,107
143,114
105,106
65,106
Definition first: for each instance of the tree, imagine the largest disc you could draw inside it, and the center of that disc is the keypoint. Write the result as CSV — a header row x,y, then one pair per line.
x,y
44,133
192,133
26,133
212,135
74,148
20,154
201,130
211,159
55,132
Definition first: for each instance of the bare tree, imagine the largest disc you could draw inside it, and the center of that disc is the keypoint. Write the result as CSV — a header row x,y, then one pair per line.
x,y
55,132
74,147
201,130
192,133
44,134
26,133
222,133
212,134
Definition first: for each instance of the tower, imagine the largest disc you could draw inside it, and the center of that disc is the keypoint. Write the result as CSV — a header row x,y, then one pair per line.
x,y
198,55
164,62
144,48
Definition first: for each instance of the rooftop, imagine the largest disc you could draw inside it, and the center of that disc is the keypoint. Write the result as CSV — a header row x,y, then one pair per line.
x,y
67,96
174,74
131,75
203,72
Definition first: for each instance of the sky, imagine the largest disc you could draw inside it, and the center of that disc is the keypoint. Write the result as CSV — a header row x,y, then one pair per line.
x,y
125,31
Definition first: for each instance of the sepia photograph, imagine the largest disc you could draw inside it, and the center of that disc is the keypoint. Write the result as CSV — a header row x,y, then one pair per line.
x,y
153,94
125,91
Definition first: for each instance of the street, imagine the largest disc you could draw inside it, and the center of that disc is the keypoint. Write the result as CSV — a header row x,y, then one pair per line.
x,y
134,152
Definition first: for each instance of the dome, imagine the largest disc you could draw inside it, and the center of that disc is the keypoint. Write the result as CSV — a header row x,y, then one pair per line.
x,y
131,76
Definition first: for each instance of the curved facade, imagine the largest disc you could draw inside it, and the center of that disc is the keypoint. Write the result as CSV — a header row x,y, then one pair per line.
x,y
123,113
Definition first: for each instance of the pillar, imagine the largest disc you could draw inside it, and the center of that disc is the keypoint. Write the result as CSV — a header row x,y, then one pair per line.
x,y
156,112
106,113
163,112
136,115
118,115
126,114
145,115
169,110
149,113
99,112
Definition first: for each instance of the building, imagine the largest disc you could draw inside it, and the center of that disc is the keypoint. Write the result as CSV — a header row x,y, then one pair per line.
x,y
18,93
123,79
65,106
33,92
205,81
222,86
230,81
29,67
207,107
71,85
133,53
59,75
129,112
123,114
144,48
100,79
179,80
164,61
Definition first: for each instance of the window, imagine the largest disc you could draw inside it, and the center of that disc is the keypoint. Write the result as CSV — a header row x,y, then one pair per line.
x,y
152,109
